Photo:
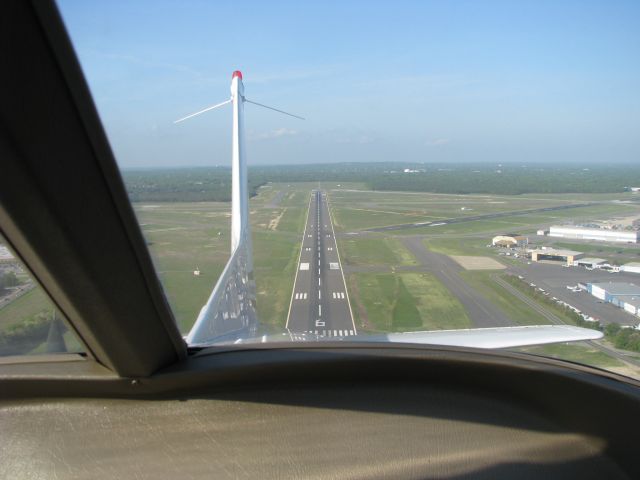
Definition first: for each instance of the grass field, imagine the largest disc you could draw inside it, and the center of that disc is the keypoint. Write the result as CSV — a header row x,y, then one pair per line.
x,y
522,223
406,301
460,246
352,219
186,236
190,235
197,236
452,205
181,239
574,352
374,251
70,340
275,257
183,236
28,305
362,209
513,308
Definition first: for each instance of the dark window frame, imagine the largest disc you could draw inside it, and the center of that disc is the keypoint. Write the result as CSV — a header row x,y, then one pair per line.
x,y
63,205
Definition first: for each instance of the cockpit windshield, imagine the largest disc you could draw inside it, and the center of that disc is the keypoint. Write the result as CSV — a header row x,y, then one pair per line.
x,y
441,173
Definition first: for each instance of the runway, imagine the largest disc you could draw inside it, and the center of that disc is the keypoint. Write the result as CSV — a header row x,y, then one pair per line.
x,y
319,301
473,218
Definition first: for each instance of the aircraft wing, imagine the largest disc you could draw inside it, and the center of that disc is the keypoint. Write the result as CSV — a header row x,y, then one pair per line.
x,y
489,338
500,337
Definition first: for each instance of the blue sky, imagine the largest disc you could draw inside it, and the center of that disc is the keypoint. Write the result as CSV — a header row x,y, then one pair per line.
x,y
446,81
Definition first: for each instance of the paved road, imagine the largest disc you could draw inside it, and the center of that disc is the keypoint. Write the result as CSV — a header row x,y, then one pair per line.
x,y
275,201
487,216
319,301
481,312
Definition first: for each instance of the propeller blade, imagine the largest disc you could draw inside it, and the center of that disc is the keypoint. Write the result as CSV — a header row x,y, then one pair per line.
x,y
271,108
202,111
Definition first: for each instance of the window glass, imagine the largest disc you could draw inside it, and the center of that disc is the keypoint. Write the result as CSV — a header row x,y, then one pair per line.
x,y
29,323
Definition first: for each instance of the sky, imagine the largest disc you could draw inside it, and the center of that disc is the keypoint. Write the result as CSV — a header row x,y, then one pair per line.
x,y
413,81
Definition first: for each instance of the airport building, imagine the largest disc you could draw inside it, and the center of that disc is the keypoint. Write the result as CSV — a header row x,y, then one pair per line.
x,y
633,267
601,234
510,240
623,295
590,262
554,254
632,305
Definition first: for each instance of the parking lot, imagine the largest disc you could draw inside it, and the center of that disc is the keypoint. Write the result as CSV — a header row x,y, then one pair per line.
x,y
555,279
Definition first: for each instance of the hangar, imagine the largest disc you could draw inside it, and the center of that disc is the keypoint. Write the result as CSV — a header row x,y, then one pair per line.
x,y
633,267
590,262
623,295
511,240
602,234
567,256
632,305
609,291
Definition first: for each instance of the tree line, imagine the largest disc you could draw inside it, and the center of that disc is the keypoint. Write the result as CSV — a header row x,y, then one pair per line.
x,y
214,183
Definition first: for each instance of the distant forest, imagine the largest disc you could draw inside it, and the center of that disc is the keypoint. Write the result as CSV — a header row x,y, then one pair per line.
x,y
214,183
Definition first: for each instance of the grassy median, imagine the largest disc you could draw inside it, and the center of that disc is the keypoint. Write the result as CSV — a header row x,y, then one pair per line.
x,y
385,302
